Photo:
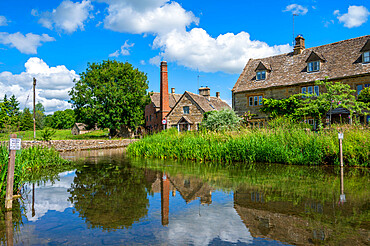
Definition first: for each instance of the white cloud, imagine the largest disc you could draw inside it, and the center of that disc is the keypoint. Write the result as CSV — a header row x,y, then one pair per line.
x,y
68,16
356,16
52,86
296,9
146,16
198,50
3,21
125,50
26,44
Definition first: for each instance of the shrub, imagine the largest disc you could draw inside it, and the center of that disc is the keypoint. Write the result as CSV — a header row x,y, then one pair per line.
x,y
222,120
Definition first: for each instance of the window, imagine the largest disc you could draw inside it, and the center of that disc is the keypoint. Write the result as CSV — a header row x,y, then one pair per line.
x,y
304,89
360,87
261,75
255,100
309,90
186,109
150,117
366,57
260,100
316,90
313,66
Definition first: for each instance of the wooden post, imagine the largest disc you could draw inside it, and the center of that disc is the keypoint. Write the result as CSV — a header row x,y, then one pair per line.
x,y
34,108
10,178
340,137
9,228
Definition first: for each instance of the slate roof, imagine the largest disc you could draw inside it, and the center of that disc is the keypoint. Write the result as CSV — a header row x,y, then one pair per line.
x,y
156,97
340,59
206,105
81,126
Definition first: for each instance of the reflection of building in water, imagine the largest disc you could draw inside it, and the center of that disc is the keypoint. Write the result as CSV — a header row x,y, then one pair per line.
x,y
285,221
190,189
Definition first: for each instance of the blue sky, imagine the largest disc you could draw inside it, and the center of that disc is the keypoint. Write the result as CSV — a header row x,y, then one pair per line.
x,y
54,40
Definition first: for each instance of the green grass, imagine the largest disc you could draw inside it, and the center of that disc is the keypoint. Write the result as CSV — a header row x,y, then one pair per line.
x,y
59,135
29,163
288,144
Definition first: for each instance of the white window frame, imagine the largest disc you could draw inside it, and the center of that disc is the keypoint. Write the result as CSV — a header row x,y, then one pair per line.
x,y
366,57
261,75
313,66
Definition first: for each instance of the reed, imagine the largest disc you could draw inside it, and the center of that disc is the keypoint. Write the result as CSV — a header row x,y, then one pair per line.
x,y
286,143
28,163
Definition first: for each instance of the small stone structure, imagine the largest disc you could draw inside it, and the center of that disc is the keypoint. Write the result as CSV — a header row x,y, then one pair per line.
x,y
79,128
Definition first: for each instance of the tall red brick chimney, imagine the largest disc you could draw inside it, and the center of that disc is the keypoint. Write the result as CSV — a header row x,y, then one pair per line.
x,y
165,103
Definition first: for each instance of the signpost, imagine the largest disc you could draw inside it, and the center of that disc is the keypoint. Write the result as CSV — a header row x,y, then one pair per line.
x,y
164,122
340,137
14,144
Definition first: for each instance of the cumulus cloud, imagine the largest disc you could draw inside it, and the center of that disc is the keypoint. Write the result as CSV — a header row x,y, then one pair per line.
x,y
356,16
125,50
296,9
53,84
68,16
228,52
26,44
147,16
3,21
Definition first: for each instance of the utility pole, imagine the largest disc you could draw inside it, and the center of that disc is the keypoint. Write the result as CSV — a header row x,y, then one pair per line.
x,y
34,108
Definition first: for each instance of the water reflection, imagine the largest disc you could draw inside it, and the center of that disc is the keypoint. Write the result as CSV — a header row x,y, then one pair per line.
x,y
114,200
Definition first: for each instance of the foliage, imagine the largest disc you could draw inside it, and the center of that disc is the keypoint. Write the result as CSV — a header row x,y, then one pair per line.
x,y
284,107
112,94
27,161
222,120
47,134
281,143
9,113
39,116
364,95
26,120
63,119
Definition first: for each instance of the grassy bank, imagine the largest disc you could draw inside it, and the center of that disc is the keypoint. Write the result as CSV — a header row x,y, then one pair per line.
x,y
59,135
289,144
28,164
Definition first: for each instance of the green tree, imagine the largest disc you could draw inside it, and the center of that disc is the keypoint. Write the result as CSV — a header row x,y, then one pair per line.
x,y
286,107
26,120
39,116
63,119
364,96
110,94
225,119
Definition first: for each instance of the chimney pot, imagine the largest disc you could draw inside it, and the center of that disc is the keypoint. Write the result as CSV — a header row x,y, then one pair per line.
x,y
205,91
173,90
218,94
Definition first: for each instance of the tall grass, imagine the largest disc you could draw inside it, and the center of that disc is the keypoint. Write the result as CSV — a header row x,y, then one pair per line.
x,y
27,163
280,143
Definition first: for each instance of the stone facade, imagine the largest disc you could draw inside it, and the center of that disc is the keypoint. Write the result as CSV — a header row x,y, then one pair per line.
x,y
286,74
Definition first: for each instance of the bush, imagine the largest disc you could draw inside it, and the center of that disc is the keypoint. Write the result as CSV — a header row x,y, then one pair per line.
x,y
224,120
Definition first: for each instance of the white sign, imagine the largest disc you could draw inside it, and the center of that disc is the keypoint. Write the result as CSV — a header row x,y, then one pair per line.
x,y
164,122
340,135
15,144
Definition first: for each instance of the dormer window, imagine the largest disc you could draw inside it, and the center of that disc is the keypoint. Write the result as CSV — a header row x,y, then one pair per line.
x,y
366,57
313,66
261,75
261,71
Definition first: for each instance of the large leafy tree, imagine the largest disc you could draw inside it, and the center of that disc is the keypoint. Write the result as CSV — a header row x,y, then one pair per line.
x,y
225,119
62,119
9,113
110,94
26,120
39,116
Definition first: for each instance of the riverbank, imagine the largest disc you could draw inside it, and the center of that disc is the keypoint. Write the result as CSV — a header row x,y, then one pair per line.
x,y
76,145
287,144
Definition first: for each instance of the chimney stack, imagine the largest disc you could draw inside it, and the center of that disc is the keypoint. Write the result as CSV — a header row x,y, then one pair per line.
x,y
165,103
218,94
299,45
205,91
173,90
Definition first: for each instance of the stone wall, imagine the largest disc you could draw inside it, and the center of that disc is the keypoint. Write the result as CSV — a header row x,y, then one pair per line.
x,y
75,145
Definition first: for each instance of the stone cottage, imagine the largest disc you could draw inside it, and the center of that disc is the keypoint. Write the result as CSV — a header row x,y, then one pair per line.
x,y
283,75
79,128
187,113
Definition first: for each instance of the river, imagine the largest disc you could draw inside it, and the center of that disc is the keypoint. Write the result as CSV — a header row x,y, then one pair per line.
x,y
111,199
